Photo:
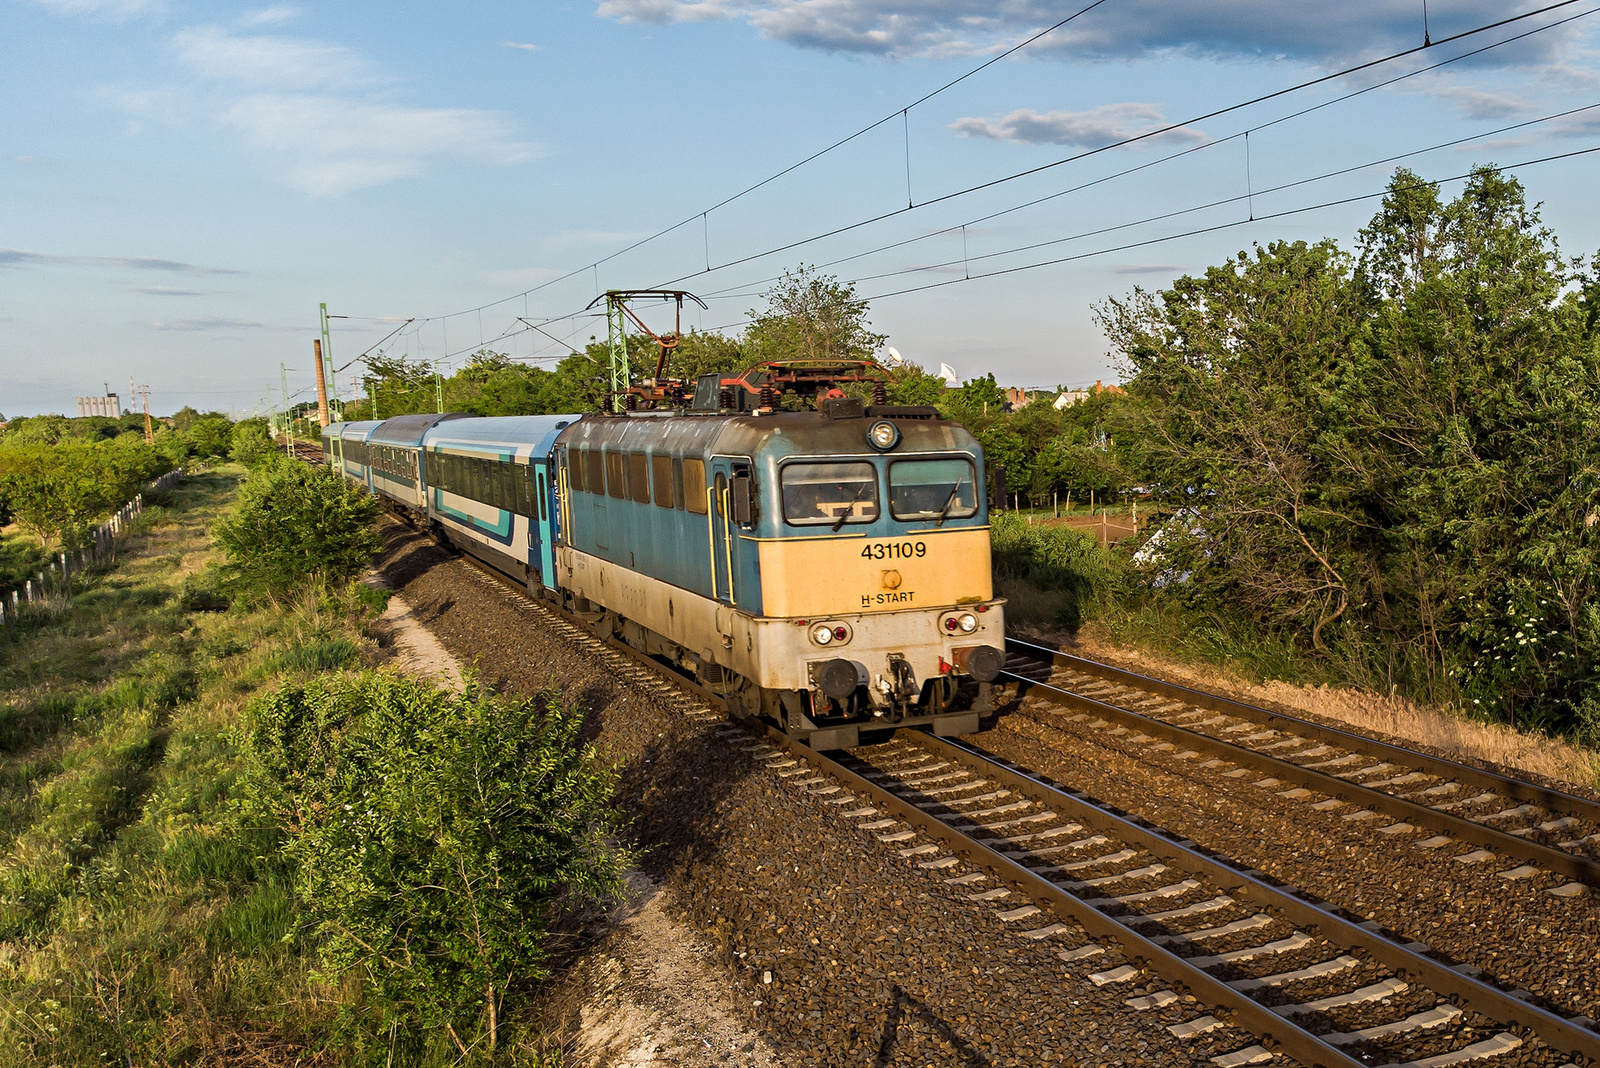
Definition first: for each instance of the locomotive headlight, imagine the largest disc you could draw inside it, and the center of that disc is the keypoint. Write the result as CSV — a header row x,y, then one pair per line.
x,y
822,634
968,622
883,435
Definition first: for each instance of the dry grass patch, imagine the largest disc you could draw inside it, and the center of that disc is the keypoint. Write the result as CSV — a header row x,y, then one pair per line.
x,y
1392,718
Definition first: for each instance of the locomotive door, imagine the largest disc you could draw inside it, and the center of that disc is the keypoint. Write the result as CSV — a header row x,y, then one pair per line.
x,y
730,510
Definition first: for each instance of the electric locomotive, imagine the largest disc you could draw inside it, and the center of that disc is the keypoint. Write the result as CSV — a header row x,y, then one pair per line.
x,y
826,570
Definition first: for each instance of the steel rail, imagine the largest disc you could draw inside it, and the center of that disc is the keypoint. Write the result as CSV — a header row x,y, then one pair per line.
x,y
1290,1038
1552,859
1563,1034
1521,790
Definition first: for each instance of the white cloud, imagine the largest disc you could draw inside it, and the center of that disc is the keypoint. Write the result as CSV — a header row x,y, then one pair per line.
x,y
324,115
521,45
208,324
269,16
263,61
1255,28
12,257
115,10
334,145
1088,129
168,291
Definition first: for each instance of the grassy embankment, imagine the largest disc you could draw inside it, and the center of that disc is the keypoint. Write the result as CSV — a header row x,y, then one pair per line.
x,y
140,920
227,839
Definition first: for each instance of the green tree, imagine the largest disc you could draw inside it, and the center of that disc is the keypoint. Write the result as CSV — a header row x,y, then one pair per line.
x,y
295,527
56,491
435,838
811,316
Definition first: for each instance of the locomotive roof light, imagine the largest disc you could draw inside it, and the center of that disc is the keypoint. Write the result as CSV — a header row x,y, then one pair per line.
x,y
883,435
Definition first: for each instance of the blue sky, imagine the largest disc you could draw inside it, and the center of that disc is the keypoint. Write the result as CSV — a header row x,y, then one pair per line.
x,y
182,183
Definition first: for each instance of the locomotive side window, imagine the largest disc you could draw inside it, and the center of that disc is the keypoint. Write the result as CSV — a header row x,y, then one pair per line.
x,y
677,483
694,486
661,474
575,470
932,489
616,475
829,493
639,477
594,475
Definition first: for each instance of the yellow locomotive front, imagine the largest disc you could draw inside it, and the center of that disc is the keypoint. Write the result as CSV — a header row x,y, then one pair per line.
x,y
876,593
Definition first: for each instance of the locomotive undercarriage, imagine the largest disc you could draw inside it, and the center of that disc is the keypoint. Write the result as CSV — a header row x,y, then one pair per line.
x,y
810,716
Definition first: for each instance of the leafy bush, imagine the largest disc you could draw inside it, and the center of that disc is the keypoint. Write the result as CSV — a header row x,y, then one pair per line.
x,y
251,442
57,490
435,839
296,527
1054,558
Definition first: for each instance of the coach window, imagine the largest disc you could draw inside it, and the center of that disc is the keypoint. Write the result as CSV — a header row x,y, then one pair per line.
x,y
616,474
594,471
829,493
639,477
510,499
694,486
543,515
661,472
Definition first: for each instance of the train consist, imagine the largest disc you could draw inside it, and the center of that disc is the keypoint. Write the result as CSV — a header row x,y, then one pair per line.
x,y
826,570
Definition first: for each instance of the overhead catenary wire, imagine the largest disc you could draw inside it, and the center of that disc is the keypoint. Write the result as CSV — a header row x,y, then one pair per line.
x,y
1425,183
1034,202
1124,142
791,168
1156,132
1248,197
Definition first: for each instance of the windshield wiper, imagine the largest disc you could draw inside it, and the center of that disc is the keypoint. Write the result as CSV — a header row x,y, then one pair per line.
x,y
945,511
845,513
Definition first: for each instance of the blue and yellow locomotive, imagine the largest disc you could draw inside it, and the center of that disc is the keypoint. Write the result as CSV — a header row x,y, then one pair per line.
x,y
826,570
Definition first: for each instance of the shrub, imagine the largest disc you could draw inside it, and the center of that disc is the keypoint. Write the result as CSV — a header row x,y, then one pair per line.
x,y
56,490
296,527
435,838
1054,558
251,443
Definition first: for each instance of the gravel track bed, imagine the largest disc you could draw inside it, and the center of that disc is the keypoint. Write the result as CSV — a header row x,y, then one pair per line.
x,y
1511,929
845,951
1347,992
1556,829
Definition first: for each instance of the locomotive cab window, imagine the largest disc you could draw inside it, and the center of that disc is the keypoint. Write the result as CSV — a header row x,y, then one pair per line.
x,y
932,489
829,493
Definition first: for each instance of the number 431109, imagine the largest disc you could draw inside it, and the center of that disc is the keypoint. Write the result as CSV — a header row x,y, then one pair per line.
x,y
895,550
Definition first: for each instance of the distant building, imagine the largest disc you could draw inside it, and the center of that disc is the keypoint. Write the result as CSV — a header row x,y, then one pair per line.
x,y
1068,397
109,406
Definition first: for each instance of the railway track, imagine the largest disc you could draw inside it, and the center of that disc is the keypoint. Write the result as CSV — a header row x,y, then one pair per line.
x,y
1212,950
1481,816
1240,970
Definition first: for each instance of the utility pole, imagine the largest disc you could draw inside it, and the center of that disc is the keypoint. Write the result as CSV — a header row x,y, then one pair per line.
x,y
322,387
327,351
438,391
149,431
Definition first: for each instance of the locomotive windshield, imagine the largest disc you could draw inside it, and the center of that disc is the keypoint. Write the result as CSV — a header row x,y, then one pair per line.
x,y
932,489
832,493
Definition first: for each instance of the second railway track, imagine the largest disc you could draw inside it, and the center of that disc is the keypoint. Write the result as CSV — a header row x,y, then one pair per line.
x,y
1432,802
